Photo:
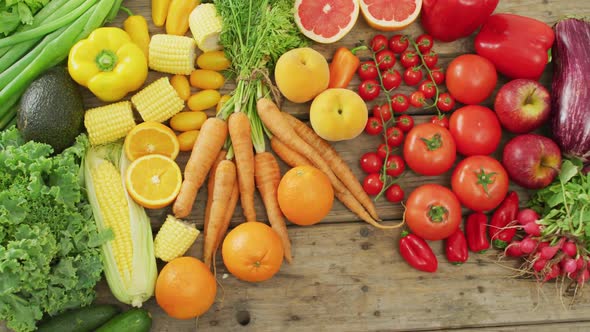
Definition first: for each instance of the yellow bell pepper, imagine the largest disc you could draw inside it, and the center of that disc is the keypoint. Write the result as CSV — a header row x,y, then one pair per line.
x,y
108,63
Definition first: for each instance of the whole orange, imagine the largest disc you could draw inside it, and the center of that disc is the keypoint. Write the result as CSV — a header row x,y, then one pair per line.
x,y
305,195
185,288
252,252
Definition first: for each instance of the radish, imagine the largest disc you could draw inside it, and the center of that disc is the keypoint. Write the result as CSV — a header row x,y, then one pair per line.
x,y
553,273
580,263
532,228
539,264
549,252
583,276
570,248
513,249
526,216
528,245
569,265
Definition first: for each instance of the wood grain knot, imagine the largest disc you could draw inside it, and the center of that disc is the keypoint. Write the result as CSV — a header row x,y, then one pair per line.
x,y
243,317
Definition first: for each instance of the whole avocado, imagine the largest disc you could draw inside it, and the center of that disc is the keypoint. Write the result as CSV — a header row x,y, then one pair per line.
x,y
52,110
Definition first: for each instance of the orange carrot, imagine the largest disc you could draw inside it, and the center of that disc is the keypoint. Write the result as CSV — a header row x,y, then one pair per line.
x,y
210,183
290,157
225,178
241,139
338,166
268,176
229,213
207,146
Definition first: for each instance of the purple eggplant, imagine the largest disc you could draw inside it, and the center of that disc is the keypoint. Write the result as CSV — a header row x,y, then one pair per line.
x,y
570,98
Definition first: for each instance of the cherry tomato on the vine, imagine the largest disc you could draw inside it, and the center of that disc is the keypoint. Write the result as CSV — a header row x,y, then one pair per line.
x,y
371,163
409,59
417,99
382,112
398,43
405,123
391,79
394,193
369,90
395,136
379,43
373,126
431,59
372,184
413,76
400,103
425,43
395,165
367,70
445,102
382,151
385,59
428,88
442,121
438,75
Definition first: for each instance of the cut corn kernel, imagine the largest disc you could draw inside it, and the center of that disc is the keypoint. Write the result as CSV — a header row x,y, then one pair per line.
x,y
174,239
205,25
158,101
172,54
109,123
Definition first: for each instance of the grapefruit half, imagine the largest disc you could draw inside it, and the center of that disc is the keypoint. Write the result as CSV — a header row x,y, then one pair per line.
x,y
326,21
390,15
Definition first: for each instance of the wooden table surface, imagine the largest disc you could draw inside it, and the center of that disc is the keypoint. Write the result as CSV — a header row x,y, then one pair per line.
x,y
349,276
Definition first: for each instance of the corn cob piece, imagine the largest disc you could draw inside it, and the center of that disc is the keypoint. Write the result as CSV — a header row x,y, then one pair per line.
x,y
174,238
158,101
109,123
172,54
205,25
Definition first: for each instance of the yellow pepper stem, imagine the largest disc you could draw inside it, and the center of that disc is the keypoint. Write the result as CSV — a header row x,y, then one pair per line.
x,y
106,60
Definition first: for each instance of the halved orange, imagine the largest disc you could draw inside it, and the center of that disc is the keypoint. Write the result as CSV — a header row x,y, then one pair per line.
x,y
151,137
153,181
390,15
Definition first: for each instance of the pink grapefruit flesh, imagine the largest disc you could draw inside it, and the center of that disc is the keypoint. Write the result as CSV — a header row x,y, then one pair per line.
x,y
326,21
389,15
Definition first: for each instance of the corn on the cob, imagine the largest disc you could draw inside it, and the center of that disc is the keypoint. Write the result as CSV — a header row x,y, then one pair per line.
x,y
174,239
108,123
172,54
205,25
158,101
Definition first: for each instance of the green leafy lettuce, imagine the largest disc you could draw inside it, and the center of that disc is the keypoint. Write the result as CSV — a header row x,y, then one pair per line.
x,y
49,246
15,12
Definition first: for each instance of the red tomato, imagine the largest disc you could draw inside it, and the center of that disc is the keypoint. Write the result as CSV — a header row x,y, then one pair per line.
x,y
433,212
413,76
431,59
429,149
445,102
442,121
385,59
395,136
369,90
409,59
480,183
471,78
382,151
391,79
417,99
425,43
394,193
379,43
476,130
438,75
398,43
400,103
395,165
367,71
383,112
405,123
428,88
372,184
373,126
371,163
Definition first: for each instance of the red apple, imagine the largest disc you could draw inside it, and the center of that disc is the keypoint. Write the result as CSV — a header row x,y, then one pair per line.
x,y
532,161
522,105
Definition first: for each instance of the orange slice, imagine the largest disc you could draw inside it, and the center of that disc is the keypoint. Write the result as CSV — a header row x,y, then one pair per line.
x,y
153,181
151,137
390,15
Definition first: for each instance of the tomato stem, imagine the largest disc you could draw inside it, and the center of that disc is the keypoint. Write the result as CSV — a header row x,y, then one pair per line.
x,y
485,179
434,143
437,213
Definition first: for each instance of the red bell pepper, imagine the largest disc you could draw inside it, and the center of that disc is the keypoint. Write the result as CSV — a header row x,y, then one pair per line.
x,y
448,20
417,252
501,232
517,45
456,248
476,228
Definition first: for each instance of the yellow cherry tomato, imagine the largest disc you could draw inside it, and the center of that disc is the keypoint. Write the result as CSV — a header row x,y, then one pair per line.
x,y
187,139
214,60
206,79
203,100
185,121
181,85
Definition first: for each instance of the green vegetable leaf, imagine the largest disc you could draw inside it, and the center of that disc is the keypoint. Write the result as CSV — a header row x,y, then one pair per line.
x,y
568,171
15,12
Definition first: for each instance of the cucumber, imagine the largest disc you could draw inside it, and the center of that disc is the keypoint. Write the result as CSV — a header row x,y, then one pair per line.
x,y
133,320
85,319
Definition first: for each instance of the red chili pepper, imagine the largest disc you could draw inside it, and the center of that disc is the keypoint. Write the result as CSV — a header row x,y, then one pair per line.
x,y
343,66
456,247
504,215
517,45
448,20
476,228
417,252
